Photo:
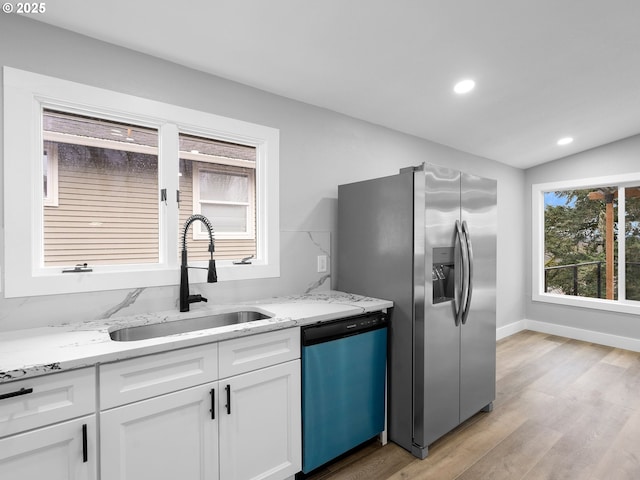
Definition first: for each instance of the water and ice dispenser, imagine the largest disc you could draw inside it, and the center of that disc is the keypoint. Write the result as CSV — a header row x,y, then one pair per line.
x,y
443,274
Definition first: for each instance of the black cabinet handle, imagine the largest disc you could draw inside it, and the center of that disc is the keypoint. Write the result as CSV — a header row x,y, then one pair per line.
x,y
22,391
213,403
228,405
85,451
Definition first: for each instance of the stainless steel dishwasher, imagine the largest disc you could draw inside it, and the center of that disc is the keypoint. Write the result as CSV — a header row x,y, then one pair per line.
x,y
343,386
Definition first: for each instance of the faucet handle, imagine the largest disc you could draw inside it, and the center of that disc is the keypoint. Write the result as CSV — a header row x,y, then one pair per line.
x,y
196,298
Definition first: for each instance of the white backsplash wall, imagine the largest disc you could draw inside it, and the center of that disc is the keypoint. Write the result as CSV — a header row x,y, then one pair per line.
x,y
298,274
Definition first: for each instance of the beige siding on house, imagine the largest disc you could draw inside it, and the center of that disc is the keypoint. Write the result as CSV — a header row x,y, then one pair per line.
x,y
103,216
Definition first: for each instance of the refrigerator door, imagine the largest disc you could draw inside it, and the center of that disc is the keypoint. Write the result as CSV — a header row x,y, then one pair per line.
x,y
478,333
437,339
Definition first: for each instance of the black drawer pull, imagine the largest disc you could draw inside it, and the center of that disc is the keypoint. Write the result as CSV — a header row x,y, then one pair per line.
x,y
228,405
85,450
22,391
213,404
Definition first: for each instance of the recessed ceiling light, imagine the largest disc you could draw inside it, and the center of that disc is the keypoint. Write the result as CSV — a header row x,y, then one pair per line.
x,y
565,141
464,86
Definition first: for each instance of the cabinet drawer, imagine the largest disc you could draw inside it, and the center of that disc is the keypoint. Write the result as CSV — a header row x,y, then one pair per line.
x,y
245,354
139,378
45,400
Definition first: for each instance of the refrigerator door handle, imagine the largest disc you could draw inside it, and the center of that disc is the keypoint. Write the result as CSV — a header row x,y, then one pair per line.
x,y
462,291
468,272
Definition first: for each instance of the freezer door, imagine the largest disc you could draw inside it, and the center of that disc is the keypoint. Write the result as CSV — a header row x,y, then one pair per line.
x,y
478,334
437,339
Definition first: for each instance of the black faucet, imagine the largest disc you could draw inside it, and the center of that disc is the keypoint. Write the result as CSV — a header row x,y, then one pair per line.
x,y
212,276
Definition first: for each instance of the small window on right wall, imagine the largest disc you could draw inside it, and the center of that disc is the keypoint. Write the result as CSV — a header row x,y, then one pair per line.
x,y
588,243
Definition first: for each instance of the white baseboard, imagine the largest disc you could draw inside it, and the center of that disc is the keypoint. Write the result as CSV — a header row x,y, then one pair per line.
x,y
591,336
512,328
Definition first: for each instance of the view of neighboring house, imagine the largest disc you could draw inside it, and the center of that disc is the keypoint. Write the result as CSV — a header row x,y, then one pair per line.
x,y
102,200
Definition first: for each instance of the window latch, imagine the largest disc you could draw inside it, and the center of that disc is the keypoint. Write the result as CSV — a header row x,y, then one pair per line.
x,y
79,268
244,261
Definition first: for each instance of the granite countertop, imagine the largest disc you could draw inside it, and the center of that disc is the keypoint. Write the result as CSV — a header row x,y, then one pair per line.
x,y
38,351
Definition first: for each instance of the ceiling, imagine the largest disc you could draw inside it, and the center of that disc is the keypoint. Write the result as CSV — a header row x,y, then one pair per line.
x,y
544,69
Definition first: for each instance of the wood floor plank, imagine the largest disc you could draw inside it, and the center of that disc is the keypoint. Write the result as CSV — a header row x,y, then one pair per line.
x,y
511,354
580,449
381,466
455,453
515,455
626,390
621,461
593,385
622,358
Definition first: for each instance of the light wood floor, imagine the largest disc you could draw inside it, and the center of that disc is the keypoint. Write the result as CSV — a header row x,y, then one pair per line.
x,y
564,410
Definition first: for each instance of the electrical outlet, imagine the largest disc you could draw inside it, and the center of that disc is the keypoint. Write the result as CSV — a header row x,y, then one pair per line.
x,y
322,263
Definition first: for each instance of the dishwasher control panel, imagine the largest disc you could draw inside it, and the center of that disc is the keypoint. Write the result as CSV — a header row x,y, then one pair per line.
x,y
343,327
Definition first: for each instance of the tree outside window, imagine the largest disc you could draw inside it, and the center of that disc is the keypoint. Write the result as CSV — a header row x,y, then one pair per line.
x,y
582,241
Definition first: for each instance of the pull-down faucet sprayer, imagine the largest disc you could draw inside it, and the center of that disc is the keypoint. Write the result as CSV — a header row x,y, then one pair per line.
x,y
212,276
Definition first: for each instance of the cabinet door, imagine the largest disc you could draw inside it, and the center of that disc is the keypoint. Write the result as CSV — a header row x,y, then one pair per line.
x,y
66,451
260,427
173,436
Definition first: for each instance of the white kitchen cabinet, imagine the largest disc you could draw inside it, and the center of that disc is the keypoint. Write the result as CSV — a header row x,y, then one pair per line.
x,y
64,451
157,419
48,427
172,436
260,424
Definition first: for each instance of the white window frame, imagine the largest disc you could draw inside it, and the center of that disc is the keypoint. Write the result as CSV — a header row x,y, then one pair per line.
x,y
199,233
25,96
537,244
51,199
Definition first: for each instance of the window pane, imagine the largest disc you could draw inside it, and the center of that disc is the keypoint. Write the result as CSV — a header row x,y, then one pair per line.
x,y
217,180
632,242
224,187
579,240
228,218
107,178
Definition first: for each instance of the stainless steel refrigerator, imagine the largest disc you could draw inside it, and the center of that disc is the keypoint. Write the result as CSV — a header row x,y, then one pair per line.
x,y
426,239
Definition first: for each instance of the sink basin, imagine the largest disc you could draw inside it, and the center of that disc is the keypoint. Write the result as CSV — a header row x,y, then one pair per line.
x,y
154,330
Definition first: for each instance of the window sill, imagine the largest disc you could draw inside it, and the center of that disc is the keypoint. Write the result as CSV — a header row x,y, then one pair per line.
x,y
53,282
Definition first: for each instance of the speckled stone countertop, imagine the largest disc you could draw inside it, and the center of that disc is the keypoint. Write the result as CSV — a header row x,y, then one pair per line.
x,y
38,351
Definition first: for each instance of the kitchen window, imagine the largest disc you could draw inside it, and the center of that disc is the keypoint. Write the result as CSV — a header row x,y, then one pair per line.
x,y
586,245
98,177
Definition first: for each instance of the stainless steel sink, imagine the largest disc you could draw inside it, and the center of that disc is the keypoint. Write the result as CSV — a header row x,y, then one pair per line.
x,y
143,332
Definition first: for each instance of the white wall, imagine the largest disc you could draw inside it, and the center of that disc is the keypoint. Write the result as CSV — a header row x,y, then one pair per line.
x,y
319,150
601,326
